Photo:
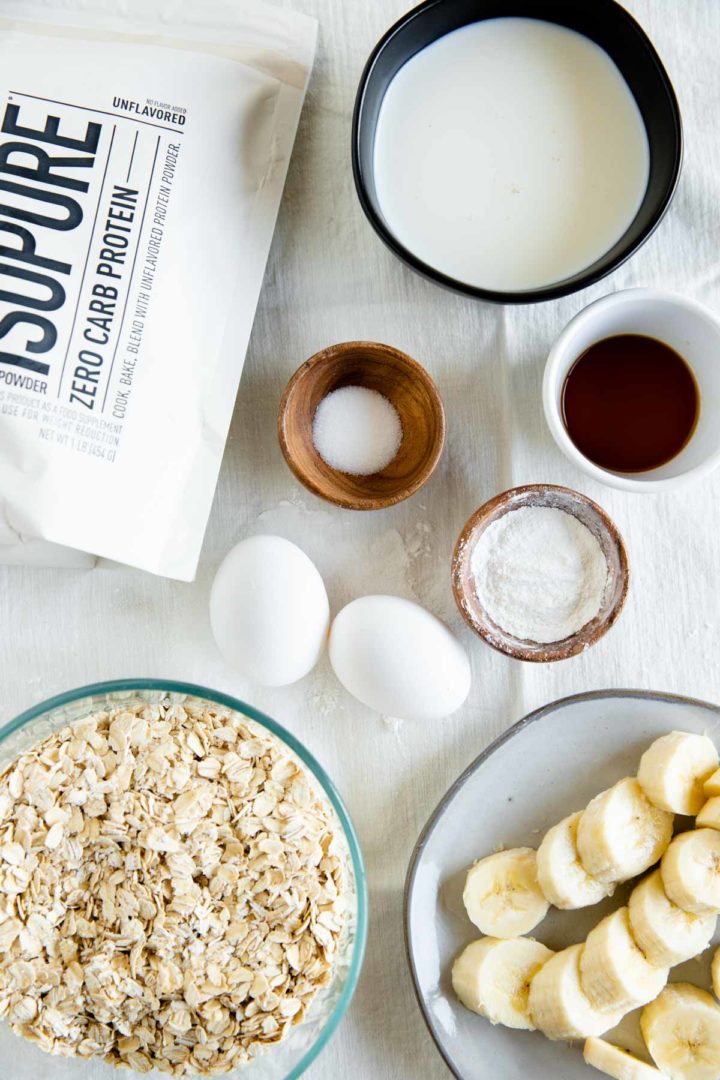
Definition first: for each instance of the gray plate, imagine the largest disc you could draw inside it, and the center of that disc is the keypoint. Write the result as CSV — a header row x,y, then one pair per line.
x,y
545,767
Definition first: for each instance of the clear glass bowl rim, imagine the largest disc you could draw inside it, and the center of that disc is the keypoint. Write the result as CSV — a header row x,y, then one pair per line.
x,y
172,686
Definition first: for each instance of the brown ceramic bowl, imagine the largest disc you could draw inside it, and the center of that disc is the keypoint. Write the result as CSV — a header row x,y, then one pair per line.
x,y
404,383
599,524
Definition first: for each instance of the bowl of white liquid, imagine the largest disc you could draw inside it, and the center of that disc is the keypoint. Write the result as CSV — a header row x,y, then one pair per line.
x,y
515,151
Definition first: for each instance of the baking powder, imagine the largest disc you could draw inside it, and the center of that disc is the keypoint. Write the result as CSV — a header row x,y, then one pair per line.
x,y
540,574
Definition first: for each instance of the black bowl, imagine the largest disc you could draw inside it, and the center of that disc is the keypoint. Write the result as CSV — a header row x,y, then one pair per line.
x,y
606,23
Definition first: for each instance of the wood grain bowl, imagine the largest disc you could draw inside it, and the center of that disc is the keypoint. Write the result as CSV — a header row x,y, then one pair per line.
x,y
599,524
397,377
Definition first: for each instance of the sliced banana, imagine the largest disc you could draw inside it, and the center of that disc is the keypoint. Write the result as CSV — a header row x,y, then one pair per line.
x,y
690,871
492,977
621,834
682,1032
715,971
711,787
614,973
502,895
709,814
563,878
616,1062
674,769
665,933
558,1005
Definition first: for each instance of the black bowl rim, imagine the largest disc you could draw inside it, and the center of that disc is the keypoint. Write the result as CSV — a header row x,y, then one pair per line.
x,y
530,296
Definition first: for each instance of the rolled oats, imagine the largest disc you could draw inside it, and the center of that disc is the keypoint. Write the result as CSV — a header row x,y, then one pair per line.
x,y
170,890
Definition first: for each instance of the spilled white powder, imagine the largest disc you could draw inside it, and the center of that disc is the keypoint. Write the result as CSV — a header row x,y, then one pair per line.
x,y
540,574
357,430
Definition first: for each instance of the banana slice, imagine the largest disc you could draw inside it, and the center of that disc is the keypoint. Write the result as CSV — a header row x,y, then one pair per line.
x,y
711,787
709,814
690,871
502,895
674,769
715,971
616,1062
664,932
614,973
563,878
682,1032
558,1005
492,977
621,834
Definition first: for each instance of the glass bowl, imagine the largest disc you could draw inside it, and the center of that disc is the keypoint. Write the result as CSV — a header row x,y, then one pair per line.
x,y
283,1061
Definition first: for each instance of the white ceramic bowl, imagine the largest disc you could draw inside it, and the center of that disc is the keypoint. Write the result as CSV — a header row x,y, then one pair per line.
x,y
550,763
685,325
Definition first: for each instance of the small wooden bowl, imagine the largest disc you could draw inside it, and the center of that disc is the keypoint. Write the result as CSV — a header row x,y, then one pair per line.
x,y
599,524
404,383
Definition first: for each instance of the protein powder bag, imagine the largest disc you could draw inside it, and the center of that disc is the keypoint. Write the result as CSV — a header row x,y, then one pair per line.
x,y
142,160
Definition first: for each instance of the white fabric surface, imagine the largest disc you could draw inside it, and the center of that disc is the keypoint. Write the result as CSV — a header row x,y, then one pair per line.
x,y
329,279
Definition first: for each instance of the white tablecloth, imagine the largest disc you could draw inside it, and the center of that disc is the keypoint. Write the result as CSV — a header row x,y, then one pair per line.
x,y
330,279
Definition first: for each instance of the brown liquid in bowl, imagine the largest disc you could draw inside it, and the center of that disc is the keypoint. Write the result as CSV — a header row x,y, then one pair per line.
x,y
630,403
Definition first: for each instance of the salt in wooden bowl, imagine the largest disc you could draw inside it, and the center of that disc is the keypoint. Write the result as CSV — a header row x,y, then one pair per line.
x,y
404,383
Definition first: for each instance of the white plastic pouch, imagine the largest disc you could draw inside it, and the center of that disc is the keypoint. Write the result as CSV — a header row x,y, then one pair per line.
x,y
143,153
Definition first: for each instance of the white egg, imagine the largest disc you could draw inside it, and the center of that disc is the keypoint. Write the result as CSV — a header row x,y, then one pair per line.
x,y
269,611
398,659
